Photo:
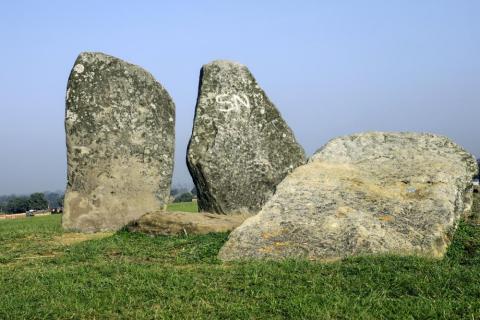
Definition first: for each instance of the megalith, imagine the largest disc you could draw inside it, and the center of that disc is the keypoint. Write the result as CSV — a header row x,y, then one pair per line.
x,y
119,127
368,193
240,148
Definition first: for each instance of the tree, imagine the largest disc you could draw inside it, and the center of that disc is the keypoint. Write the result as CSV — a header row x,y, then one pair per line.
x,y
55,199
184,197
3,203
18,204
37,201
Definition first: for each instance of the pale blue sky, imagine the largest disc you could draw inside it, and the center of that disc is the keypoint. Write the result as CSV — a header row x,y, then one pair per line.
x,y
331,67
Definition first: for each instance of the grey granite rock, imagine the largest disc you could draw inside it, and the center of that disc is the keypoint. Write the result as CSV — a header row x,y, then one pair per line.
x,y
240,147
369,193
120,143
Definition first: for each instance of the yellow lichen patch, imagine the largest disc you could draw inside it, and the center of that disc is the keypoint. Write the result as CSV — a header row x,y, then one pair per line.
x,y
386,218
271,234
275,247
279,244
268,249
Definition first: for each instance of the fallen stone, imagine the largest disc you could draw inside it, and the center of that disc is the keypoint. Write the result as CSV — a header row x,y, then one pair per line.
x,y
184,223
370,193
120,143
240,148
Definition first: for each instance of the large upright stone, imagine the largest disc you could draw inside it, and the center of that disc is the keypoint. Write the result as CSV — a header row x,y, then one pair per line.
x,y
120,143
240,147
397,193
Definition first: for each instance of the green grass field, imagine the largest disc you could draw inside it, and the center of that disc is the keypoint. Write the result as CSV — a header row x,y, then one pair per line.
x,y
46,274
183,206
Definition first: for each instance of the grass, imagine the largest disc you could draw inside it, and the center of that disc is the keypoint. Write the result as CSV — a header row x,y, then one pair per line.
x,y
183,206
133,276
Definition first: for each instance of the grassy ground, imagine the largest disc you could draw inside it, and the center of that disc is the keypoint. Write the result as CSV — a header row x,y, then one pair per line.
x,y
183,206
46,273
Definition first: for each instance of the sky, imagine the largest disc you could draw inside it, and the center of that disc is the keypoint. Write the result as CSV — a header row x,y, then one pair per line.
x,y
332,68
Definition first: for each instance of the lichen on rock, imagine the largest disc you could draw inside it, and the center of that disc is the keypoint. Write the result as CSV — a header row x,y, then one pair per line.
x,y
369,193
240,147
120,143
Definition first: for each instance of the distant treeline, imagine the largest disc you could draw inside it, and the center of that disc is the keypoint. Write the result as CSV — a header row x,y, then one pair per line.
x,y
35,201
183,194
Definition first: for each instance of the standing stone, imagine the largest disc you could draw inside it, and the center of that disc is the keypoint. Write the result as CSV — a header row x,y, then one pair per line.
x,y
396,193
240,147
120,143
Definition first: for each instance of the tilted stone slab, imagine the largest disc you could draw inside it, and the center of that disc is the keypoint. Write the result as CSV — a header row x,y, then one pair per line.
x,y
120,143
240,148
369,193
185,223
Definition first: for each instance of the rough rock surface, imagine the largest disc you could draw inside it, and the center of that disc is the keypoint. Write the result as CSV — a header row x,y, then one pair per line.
x,y
370,193
120,143
184,223
240,148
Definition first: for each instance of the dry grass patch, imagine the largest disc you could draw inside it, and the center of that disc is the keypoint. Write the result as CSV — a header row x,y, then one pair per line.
x,y
71,238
